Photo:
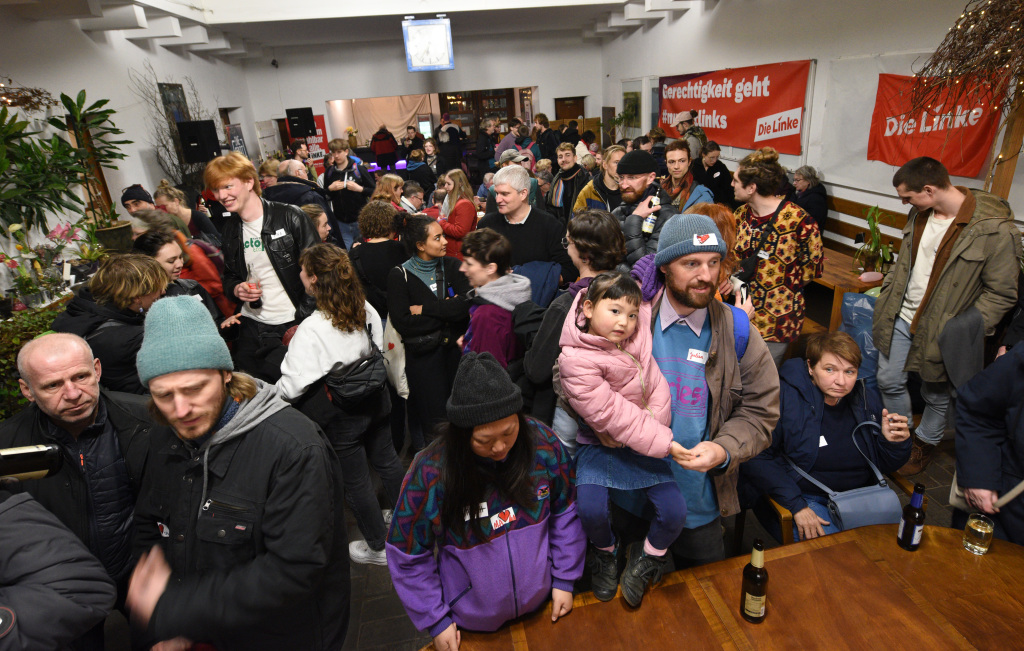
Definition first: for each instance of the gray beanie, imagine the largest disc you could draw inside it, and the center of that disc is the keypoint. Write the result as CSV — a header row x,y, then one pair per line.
x,y
483,392
180,336
685,234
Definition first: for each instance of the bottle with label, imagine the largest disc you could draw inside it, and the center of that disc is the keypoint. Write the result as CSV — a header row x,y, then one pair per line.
x,y
912,522
30,462
754,596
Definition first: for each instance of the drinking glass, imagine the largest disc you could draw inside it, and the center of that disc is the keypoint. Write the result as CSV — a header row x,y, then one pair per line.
x,y
978,533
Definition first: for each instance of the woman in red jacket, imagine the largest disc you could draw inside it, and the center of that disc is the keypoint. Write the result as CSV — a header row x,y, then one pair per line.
x,y
458,214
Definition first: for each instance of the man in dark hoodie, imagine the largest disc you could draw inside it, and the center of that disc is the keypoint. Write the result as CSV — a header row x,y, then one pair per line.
x,y
449,137
571,134
642,198
294,187
240,524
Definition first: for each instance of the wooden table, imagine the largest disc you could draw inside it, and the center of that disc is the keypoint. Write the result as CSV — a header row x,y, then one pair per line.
x,y
852,590
838,275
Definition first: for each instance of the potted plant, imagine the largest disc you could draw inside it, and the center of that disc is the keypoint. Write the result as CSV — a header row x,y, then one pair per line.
x,y
351,132
92,129
625,117
873,255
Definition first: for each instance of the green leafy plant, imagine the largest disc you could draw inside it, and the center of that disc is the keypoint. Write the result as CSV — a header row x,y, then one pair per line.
x,y
873,252
93,131
14,332
38,176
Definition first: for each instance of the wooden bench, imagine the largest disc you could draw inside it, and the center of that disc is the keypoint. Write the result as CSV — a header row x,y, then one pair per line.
x,y
834,226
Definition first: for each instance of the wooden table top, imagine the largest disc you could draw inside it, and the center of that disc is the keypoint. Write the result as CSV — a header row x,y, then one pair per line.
x,y
837,271
852,590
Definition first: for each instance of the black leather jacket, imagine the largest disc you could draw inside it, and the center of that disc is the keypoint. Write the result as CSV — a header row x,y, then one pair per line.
x,y
287,232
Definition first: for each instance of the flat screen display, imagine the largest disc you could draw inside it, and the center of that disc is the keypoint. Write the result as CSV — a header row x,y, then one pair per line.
x,y
428,44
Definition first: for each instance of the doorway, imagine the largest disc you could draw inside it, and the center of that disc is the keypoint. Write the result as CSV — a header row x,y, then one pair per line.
x,y
569,108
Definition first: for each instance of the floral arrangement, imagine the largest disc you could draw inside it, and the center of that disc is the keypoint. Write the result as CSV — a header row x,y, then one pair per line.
x,y
39,267
351,131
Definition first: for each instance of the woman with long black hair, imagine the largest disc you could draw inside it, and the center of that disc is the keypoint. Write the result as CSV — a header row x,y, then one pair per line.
x,y
428,307
343,332
495,490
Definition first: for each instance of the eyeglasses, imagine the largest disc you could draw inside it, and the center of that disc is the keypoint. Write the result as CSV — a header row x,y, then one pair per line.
x,y
566,242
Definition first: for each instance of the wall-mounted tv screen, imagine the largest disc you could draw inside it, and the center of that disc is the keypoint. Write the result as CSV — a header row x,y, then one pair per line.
x,y
428,44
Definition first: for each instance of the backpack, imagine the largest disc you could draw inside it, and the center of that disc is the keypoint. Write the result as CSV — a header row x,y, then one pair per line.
x,y
543,280
213,253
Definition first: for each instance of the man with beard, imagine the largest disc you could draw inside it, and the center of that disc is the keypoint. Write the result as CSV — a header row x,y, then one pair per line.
x,y
706,349
239,526
569,182
641,198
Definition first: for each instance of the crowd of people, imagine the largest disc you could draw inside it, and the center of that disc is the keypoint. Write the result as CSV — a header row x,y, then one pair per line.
x,y
585,360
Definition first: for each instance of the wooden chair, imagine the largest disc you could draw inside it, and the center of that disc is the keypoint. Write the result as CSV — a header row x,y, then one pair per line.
x,y
786,518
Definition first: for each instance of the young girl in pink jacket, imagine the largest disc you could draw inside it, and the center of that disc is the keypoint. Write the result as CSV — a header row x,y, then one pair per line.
x,y
610,378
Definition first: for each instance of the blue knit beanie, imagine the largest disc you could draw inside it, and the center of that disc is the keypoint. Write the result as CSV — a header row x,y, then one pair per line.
x,y
686,234
180,336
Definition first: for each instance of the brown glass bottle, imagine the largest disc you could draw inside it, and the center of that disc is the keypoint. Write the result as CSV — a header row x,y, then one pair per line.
x,y
754,596
912,523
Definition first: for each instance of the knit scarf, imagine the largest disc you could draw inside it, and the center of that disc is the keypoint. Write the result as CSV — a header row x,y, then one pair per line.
x,y
684,188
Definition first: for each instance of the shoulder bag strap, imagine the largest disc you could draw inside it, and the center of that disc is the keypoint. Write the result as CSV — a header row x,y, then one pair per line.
x,y
828,491
874,468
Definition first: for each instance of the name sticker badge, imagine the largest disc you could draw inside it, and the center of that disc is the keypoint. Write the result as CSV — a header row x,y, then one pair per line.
x,y
499,520
706,239
165,531
278,234
822,442
698,356
764,255
481,512
433,287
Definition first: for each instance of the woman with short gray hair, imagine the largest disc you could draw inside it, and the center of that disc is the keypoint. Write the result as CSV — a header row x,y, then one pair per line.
x,y
485,146
810,194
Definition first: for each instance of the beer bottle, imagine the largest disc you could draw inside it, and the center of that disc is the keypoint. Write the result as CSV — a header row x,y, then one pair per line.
x,y
30,462
912,522
755,586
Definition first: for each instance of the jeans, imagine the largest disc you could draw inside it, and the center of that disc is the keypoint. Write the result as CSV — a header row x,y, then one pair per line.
x,y
892,383
361,437
669,509
768,518
349,233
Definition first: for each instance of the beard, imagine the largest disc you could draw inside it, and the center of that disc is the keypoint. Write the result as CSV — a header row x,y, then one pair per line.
x,y
630,196
687,297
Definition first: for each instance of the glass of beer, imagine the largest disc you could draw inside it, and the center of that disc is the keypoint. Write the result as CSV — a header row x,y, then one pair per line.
x,y
978,533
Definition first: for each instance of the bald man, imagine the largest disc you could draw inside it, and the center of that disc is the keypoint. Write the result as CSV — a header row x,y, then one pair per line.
x,y
299,189
104,437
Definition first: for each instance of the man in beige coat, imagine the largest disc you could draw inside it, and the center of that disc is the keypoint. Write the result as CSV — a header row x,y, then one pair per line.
x,y
960,250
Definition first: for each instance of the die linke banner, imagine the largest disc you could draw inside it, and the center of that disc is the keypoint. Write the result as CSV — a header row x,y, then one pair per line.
x,y
960,136
317,144
750,108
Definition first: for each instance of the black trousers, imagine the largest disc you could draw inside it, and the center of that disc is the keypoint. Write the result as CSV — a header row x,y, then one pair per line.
x,y
431,376
258,349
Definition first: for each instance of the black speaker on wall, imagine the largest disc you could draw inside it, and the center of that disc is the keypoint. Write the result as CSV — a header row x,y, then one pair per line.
x,y
199,141
300,122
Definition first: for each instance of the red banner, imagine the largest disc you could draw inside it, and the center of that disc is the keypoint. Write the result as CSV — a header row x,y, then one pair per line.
x,y
750,108
960,137
317,144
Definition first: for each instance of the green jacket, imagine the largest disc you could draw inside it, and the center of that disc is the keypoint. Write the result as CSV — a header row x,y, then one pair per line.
x,y
981,271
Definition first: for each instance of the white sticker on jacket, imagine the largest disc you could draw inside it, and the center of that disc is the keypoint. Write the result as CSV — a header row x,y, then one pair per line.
x,y
822,442
698,356
499,520
165,531
279,233
705,239
764,255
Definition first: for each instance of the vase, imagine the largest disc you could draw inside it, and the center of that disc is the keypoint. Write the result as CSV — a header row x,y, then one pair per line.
x,y
352,142
37,299
116,238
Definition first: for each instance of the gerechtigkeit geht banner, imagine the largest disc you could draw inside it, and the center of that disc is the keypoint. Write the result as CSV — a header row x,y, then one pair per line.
x,y
758,106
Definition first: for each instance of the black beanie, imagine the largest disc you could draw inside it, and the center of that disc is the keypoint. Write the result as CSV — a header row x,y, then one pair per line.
x,y
483,392
637,161
136,193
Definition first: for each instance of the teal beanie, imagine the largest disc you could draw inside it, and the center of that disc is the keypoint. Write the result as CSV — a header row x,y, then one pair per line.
x,y
180,336
685,234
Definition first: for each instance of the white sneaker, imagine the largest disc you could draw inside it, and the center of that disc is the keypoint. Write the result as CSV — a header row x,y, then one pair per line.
x,y
387,513
360,552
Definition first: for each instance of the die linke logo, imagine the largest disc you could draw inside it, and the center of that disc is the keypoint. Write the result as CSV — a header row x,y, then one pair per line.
x,y
778,125
499,520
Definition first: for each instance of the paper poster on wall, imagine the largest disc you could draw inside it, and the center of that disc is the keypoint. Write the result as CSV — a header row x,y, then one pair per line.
x,y
236,141
960,136
317,144
758,106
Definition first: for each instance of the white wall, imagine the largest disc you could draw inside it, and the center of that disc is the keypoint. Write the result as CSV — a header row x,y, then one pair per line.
x,y
59,57
559,64
734,34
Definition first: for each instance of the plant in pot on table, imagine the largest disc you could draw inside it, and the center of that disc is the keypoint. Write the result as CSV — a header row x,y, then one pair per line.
x,y
873,254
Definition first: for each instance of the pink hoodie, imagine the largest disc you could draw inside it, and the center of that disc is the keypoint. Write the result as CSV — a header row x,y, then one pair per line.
x,y
603,385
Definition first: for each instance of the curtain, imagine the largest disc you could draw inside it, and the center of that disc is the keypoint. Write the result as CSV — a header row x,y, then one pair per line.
x,y
396,113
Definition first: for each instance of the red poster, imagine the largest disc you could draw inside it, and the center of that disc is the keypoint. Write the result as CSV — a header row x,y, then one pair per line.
x,y
959,136
317,144
750,108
